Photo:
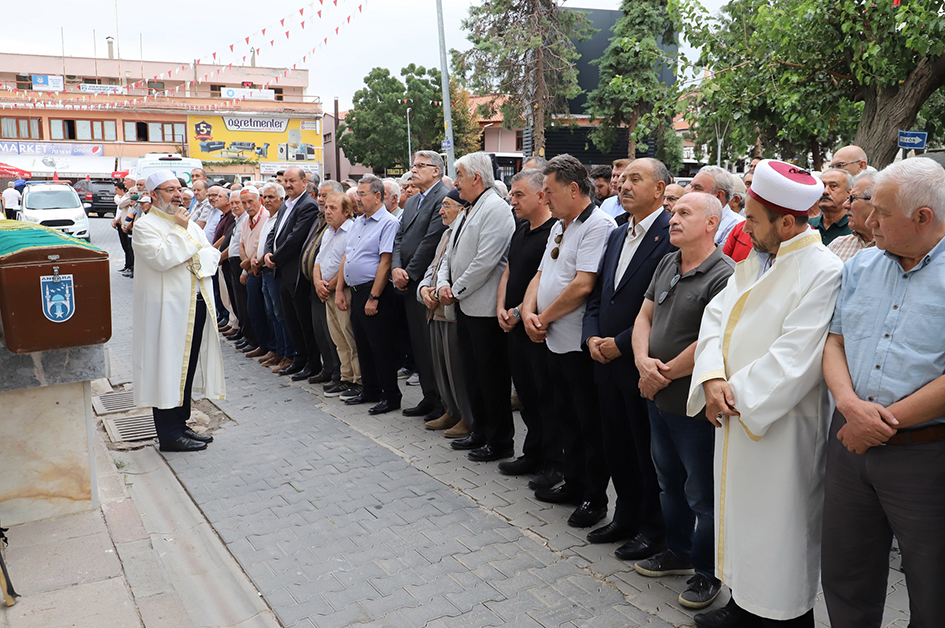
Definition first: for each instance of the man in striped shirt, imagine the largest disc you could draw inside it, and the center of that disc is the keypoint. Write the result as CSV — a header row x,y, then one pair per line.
x,y
858,208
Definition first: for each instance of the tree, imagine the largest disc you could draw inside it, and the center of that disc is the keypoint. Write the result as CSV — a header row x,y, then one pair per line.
x,y
523,53
806,72
467,135
631,92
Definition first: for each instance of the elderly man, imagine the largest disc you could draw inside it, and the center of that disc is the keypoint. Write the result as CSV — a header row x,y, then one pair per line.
x,y
330,372
284,254
407,189
470,276
543,451
671,194
273,195
219,203
534,162
664,342
238,293
124,204
720,183
392,198
758,374
833,221
552,312
421,229
858,208
883,362
325,189
171,294
200,207
365,268
250,232
850,158
611,206
630,257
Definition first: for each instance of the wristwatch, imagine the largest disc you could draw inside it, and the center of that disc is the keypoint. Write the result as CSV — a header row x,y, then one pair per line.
x,y
516,314
371,297
436,294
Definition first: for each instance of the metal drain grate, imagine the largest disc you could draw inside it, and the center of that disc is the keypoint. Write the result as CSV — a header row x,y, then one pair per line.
x,y
130,428
108,403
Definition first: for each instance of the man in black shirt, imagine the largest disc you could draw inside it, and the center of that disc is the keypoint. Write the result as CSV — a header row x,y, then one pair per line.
x,y
542,450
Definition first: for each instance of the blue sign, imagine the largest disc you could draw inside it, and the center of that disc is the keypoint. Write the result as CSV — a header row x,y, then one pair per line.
x,y
57,149
912,139
58,294
445,145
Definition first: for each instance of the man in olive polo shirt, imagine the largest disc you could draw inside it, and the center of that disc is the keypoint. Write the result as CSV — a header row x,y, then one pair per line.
x,y
833,220
664,345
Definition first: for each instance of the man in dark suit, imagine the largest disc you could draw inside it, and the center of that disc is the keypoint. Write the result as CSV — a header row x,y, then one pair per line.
x,y
283,254
421,229
627,266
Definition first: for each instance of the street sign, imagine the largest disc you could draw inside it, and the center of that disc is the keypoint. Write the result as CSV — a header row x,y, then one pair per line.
x,y
912,139
445,145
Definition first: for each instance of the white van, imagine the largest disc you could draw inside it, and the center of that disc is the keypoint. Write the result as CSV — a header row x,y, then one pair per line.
x,y
152,162
55,205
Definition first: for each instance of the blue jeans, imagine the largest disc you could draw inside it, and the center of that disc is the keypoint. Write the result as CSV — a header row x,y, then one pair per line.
x,y
256,308
273,303
682,449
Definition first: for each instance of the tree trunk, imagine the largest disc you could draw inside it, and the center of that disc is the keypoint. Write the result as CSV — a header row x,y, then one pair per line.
x,y
816,155
540,96
886,110
631,127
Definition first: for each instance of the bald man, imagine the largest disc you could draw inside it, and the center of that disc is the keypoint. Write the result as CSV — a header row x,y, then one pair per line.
x,y
671,194
850,158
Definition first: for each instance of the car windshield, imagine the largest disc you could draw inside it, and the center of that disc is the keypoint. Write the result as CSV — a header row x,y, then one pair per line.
x,y
52,199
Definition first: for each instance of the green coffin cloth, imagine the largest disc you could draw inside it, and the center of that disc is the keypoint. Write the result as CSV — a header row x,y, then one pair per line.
x,y
17,235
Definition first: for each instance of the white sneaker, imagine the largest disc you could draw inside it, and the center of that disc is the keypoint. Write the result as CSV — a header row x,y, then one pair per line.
x,y
413,380
404,373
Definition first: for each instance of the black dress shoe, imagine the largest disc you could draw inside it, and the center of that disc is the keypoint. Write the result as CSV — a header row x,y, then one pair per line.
x,y
236,337
488,453
729,616
320,378
610,533
520,466
587,515
359,399
386,405
293,368
564,494
473,441
203,438
303,374
548,478
241,344
183,443
423,408
248,348
638,548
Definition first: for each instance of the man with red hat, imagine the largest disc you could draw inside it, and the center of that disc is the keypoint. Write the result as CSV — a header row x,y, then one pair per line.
x,y
758,371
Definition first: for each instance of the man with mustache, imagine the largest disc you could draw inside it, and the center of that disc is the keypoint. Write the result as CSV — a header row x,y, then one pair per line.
x,y
833,221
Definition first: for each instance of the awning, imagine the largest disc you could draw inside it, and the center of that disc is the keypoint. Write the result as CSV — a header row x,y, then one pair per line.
x,y
69,166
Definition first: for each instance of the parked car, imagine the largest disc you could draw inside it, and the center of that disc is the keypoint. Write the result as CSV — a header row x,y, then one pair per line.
x,y
55,205
100,194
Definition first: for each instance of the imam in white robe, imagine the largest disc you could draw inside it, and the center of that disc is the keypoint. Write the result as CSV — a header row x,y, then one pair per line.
x,y
170,263
765,336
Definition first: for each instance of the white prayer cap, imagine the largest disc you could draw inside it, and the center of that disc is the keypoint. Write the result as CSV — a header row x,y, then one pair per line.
x,y
250,191
159,177
144,199
785,188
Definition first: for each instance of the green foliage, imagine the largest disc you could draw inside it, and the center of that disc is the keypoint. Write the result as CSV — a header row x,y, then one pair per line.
x,y
932,119
523,54
803,76
630,92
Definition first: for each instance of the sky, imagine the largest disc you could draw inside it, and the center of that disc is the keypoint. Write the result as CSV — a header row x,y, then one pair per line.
x,y
386,33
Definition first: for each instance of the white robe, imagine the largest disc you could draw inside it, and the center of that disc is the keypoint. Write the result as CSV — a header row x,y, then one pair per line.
x,y
765,336
167,257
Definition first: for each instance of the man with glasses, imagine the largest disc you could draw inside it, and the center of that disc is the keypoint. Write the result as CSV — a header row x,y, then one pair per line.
x,y
664,341
671,195
421,229
171,291
219,204
272,197
850,158
629,259
858,208
833,221
552,312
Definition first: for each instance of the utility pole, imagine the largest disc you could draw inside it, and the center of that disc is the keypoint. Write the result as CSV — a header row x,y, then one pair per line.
x,y
337,146
445,80
409,152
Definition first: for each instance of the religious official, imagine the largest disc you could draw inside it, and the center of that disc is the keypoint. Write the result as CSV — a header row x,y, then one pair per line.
x,y
175,347
758,373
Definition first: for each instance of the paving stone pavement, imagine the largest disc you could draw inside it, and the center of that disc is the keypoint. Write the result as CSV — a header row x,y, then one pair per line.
x,y
342,519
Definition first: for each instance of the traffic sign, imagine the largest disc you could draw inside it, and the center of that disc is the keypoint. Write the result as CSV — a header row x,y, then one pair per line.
x,y
912,139
445,145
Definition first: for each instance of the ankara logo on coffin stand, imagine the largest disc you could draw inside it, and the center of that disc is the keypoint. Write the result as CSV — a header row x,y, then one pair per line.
x,y
58,293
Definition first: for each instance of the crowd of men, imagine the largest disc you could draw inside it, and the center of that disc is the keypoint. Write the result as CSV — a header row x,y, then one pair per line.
x,y
744,358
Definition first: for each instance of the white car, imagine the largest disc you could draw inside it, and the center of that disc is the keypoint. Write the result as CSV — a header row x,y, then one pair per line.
x,y
55,205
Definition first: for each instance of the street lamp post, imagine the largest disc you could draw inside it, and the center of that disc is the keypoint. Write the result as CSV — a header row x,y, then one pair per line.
x,y
409,152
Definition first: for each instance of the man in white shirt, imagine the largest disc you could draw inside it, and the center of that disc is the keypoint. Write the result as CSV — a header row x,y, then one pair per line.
x,y
10,200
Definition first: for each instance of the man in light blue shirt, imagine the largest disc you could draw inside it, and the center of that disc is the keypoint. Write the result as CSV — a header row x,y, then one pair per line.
x,y
884,362
611,205
719,183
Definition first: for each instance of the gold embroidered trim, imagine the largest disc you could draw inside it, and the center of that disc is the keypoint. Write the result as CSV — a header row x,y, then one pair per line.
x,y
189,337
748,431
721,513
808,240
710,375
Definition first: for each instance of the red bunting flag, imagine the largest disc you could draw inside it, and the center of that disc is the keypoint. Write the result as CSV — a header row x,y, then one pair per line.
x,y
282,22
349,19
319,14
303,58
359,8
231,47
337,28
214,56
264,32
272,42
326,41
287,34
247,40
302,11
303,23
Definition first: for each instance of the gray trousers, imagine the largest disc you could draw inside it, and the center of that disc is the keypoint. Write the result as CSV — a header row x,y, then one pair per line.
x,y
892,489
448,370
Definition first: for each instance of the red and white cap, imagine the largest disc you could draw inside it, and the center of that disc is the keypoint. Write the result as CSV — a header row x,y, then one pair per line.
x,y
784,187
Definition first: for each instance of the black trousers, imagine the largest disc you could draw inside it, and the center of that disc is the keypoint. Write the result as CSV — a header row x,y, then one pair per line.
x,y
170,423
528,362
419,328
326,347
375,337
625,434
297,308
238,299
125,240
484,350
402,344
577,419
223,314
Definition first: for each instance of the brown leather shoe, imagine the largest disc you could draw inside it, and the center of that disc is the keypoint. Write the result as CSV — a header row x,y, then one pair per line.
x,y
255,353
459,430
232,332
224,329
269,356
443,423
284,364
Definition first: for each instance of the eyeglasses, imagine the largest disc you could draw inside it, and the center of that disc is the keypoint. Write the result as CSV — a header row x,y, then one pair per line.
x,y
169,190
841,164
558,238
854,197
672,284
421,165
670,198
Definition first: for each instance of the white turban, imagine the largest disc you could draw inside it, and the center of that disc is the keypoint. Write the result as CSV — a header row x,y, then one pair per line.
x,y
159,177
